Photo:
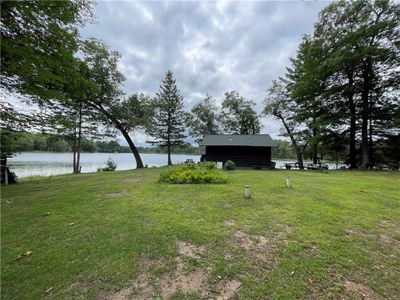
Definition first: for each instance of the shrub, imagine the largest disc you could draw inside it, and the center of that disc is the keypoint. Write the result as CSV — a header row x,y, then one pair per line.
x,y
229,165
111,165
208,165
193,173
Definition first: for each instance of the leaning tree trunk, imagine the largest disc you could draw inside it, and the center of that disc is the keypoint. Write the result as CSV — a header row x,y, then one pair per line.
x,y
139,162
299,153
118,125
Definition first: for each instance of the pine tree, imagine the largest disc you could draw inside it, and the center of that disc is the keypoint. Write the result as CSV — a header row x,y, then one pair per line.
x,y
169,120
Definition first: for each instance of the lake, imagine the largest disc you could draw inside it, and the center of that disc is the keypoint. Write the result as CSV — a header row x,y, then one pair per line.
x,y
28,164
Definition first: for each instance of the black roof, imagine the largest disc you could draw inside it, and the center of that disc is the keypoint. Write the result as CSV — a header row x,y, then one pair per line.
x,y
252,140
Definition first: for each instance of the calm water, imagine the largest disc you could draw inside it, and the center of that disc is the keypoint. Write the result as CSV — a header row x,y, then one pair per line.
x,y
27,164
44,164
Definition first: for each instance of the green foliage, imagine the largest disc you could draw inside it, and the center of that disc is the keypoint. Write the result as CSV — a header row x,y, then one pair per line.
x,y
229,165
204,119
283,150
111,165
168,122
193,173
178,149
238,115
38,41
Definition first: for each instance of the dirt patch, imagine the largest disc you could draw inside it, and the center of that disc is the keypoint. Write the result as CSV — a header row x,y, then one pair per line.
x,y
228,289
196,281
183,279
131,180
226,205
255,245
229,223
364,291
386,234
190,250
260,246
113,195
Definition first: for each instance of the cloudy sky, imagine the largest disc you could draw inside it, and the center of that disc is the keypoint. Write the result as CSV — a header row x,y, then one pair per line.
x,y
212,47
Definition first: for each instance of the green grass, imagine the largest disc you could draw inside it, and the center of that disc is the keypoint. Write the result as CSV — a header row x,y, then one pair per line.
x,y
329,229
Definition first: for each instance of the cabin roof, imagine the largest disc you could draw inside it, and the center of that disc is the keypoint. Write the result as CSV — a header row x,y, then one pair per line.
x,y
251,140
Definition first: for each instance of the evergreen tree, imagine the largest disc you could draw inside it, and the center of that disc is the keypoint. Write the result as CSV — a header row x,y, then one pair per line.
x,y
168,125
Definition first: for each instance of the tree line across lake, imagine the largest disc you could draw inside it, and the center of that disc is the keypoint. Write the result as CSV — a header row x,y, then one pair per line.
x,y
338,97
26,142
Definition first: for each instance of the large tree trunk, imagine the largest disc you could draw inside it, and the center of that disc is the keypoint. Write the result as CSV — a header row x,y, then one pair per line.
x,y
314,146
371,143
169,153
74,151
296,147
365,115
118,125
352,109
78,144
139,162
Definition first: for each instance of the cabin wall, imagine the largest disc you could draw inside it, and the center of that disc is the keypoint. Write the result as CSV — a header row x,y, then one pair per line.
x,y
241,155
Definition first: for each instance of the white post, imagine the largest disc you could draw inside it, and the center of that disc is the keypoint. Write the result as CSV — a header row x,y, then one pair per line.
x,y
5,175
247,191
288,182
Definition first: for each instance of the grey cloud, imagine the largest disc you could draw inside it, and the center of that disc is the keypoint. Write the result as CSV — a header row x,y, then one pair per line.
x,y
212,47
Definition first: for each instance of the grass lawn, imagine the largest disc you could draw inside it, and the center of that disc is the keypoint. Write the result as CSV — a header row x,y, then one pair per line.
x,y
122,235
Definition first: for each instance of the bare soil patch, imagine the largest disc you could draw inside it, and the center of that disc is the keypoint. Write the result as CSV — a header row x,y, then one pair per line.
x,y
228,288
229,223
255,245
190,250
364,291
113,195
132,180
182,279
260,246
195,281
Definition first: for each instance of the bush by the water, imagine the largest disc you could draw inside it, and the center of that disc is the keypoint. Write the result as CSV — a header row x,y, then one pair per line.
x,y
205,172
229,165
111,165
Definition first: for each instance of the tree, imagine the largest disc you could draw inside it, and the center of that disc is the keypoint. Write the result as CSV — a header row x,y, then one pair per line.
x,y
38,42
279,104
12,123
306,80
168,123
361,38
104,94
238,115
204,119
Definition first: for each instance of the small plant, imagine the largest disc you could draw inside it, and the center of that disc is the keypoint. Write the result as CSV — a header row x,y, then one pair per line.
x,y
209,165
229,165
111,165
193,173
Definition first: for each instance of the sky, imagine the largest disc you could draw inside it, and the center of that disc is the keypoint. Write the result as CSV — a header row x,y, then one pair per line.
x,y
210,46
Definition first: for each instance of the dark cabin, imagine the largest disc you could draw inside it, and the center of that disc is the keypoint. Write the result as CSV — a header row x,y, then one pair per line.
x,y
253,150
